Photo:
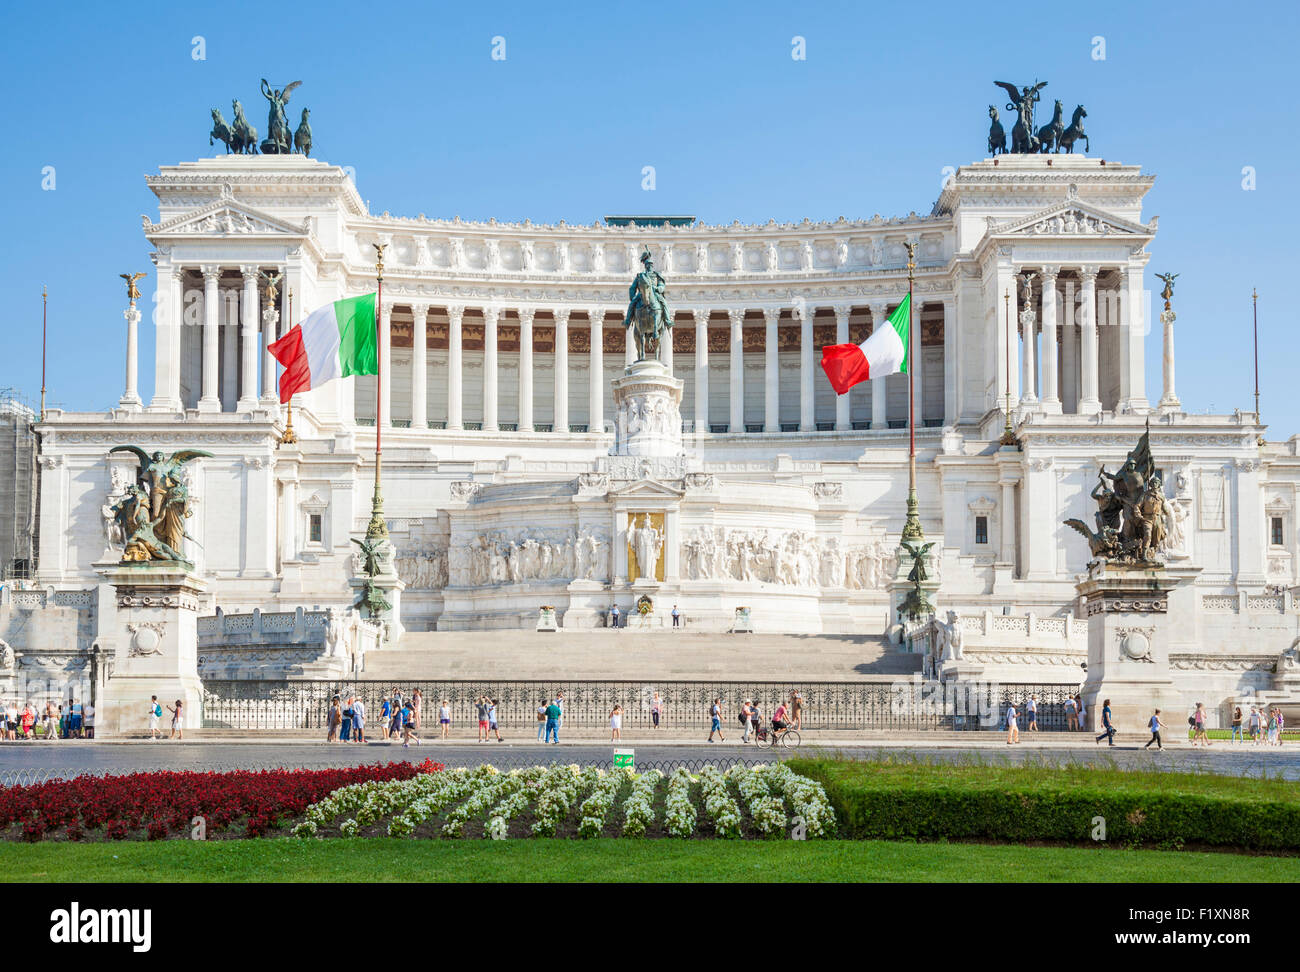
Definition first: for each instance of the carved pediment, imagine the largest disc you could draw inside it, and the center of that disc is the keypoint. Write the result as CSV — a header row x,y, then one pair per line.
x,y
646,488
1072,219
222,218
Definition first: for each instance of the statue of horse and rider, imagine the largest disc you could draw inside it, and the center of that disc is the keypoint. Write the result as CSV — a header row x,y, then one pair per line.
x,y
240,138
648,318
1053,137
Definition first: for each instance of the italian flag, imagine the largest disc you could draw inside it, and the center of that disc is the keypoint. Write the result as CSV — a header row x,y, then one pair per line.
x,y
884,353
336,341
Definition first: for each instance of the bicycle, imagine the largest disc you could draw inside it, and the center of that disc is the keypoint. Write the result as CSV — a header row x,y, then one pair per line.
x,y
771,738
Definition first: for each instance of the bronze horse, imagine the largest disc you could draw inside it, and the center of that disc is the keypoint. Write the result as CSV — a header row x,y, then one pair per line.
x,y
1050,134
1074,133
646,326
997,136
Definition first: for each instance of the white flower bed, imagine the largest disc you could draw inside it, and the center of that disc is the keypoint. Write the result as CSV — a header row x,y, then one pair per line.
x,y
638,808
679,812
563,797
718,804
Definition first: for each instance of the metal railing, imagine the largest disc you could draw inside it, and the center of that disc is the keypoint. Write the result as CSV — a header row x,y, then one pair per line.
x,y
863,706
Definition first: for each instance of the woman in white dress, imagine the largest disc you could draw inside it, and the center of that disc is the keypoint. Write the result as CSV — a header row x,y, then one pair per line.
x,y
178,720
616,723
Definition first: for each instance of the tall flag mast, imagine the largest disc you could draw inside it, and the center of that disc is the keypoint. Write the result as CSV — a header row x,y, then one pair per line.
x,y
290,436
1008,433
45,306
912,526
1254,306
377,528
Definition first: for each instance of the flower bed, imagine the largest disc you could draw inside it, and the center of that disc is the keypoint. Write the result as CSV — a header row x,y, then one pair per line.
x,y
565,801
158,805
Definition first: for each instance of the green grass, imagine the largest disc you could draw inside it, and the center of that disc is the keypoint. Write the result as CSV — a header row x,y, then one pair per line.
x,y
390,859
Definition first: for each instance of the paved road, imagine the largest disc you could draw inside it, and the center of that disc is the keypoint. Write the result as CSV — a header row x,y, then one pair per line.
x,y
21,762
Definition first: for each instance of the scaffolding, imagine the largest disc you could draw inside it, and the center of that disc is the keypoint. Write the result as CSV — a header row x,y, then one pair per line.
x,y
18,491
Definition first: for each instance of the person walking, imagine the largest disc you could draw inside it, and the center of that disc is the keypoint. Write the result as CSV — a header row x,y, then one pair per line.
x,y
1032,709
1253,724
715,720
553,712
1281,725
333,718
559,702
1236,726
11,720
656,710
541,718
178,719
1083,711
417,707
1108,731
155,717
616,723
444,718
89,716
1155,725
1013,724
358,720
408,725
28,720
385,716
677,617
746,709
50,724
796,709
481,707
755,718
1071,713
1198,726
493,726
1275,728
345,733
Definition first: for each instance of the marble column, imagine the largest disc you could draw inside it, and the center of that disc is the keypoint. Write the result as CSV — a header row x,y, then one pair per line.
x,y
209,400
879,401
951,383
270,319
843,420
771,370
596,392
1132,318
1027,317
490,316
1051,397
130,399
385,377
1089,394
419,366
1169,399
807,417
736,374
248,340
228,388
289,521
526,369
1007,521
455,367
561,371
701,369
167,340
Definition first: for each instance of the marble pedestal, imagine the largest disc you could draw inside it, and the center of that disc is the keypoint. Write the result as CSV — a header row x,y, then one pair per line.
x,y
1127,613
151,640
648,402
392,586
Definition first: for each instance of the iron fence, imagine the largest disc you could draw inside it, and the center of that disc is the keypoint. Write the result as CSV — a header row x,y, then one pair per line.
x,y
864,706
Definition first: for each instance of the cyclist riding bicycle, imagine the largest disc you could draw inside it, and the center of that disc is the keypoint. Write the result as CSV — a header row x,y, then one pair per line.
x,y
779,724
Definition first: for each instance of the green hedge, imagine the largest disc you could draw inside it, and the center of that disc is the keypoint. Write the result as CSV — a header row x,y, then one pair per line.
x,y
922,801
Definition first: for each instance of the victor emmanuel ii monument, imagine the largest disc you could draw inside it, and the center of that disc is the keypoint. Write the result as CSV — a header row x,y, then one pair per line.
x,y
555,439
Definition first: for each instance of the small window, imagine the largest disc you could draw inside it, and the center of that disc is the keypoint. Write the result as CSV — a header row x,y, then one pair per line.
x,y
1275,531
314,528
981,529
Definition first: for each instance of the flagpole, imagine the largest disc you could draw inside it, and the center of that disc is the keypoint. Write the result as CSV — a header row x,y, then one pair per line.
x,y
1008,433
912,526
44,307
378,529
290,436
1254,307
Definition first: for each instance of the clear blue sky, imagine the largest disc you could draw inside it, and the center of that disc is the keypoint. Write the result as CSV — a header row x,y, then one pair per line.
x,y
889,94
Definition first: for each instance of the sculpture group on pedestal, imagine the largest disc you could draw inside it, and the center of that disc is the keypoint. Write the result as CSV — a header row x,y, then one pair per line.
x,y
240,137
148,521
647,314
1025,139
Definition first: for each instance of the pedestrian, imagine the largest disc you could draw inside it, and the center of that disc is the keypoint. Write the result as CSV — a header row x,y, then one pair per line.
x,y
28,721
1253,724
417,705
444,718
613,616
399,708
385,716
481,707
1275,728
677,617
1281,725
1013,726
616,723
1071,713
51,725
541,718
1236,726
333,719
1032,709
1156,725
358,720
1198,726
796,709
178,719
1108,732
553,712
1083,711
656,710
63,722
715,720
746,710
492,718
559,702
408,724
755,718
155,717
89,716
76,719
345,732
11,720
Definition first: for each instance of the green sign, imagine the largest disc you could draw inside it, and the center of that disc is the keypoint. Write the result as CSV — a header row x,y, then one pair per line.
x,y
623,757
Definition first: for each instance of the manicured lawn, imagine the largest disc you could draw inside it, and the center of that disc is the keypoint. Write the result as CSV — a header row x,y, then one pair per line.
x,y
605,861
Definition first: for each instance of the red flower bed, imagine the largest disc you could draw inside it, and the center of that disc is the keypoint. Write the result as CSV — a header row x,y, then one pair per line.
x,y
163,804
